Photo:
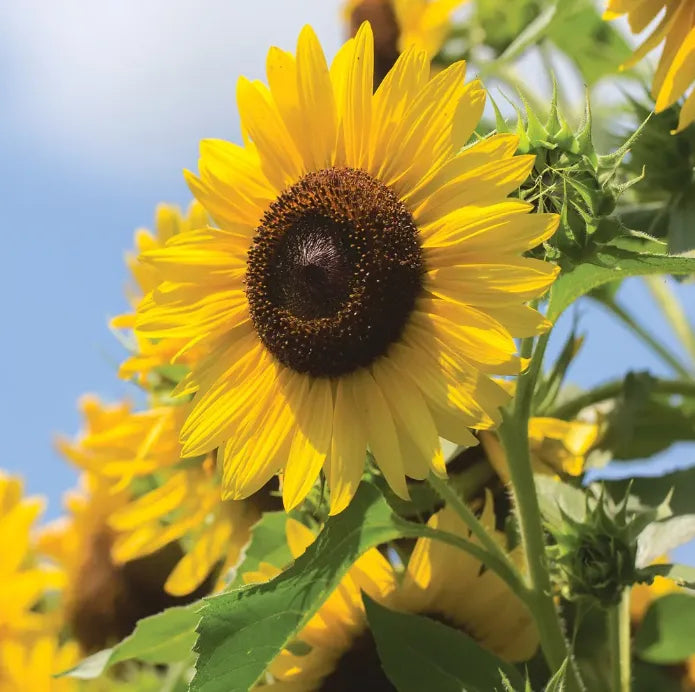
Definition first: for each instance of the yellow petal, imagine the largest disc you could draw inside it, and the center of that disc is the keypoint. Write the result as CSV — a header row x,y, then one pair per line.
x,y
381,430
312,439
316,100
299,537
348,448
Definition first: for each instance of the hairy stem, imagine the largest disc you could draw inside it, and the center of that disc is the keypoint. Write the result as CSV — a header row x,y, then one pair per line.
x,y
442,488
619,637
514,434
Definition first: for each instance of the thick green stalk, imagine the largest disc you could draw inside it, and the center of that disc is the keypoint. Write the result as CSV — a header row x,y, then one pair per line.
x,y
514,434
612,389
619,637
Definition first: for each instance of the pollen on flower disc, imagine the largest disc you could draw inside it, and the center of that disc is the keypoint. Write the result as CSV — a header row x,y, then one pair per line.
x,y
334,272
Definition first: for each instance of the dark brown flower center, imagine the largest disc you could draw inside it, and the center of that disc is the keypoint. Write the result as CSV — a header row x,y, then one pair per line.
x,y
359,668
333,272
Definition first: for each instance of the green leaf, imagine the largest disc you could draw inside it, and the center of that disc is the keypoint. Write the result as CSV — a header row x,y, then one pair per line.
x,y
242,631
652,491
610,263
418,654
163,638
683,575
558,499
558,682
666,634
594,45
681,222
647,677
268,543
530,35
661,537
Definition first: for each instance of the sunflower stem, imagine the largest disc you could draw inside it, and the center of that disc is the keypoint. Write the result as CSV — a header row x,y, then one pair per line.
x,y
619,634
451,498
503,570
514,435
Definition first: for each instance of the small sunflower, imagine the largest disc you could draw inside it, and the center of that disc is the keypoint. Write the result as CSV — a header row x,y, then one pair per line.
x,y
675,73
557,447
400,24
138,453
440,581
366,279
169,222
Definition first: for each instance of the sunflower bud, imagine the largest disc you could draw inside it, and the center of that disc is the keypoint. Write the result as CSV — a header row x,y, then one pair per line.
x,y
571,179
667,158
595,556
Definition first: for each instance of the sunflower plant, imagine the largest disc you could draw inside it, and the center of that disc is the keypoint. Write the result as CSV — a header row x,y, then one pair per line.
x,y
356,463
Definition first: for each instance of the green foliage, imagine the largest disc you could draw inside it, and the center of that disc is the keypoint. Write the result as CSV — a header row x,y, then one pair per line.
x,y
607,264
595,46
571,179
167,637
643,422
595,550
268,543
575,29
418,653
666,634
241,632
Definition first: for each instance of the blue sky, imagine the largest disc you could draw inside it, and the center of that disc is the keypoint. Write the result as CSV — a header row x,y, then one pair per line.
x,y
102,109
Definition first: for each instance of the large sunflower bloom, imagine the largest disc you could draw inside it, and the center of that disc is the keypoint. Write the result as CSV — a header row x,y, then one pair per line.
x,y
440,581
169,221
365,281
676,30
173,502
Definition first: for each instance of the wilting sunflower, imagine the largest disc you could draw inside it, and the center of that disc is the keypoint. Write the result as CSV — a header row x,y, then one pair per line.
x,y
676,30
557,447
365,281
440,581
138,453
399,24
169,221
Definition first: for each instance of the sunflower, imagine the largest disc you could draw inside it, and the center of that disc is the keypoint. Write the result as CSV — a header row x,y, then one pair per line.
x,y
440,581
29,649
365,281
675,72
399,24
169,221
157,500
23,579
31,666
557,447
